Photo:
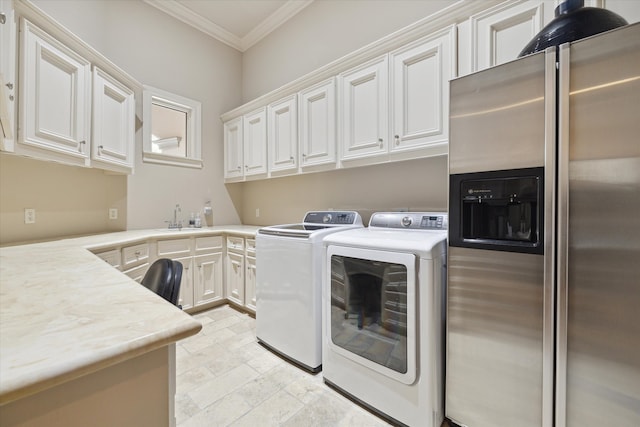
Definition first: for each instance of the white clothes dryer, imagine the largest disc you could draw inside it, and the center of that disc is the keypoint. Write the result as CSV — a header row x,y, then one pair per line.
x,y
289,284
384,307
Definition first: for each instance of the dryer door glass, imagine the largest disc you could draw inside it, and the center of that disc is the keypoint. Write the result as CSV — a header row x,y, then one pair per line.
x,y
369,310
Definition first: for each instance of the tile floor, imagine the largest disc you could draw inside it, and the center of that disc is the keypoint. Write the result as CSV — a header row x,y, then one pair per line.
x,y
225,378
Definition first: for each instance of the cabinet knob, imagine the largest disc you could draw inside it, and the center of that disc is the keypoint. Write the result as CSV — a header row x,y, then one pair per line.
x,y
380,142
9,85
81,145
397,139
291,158
239,167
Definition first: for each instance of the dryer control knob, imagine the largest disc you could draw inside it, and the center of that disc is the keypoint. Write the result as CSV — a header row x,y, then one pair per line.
x,y
326,218
406,221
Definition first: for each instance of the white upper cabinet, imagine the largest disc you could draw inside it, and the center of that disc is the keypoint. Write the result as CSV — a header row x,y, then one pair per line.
x,y
363,112
233,151
282,138
420,74
113,122
55,91
255,142
7,76
68,113
499,34
318,125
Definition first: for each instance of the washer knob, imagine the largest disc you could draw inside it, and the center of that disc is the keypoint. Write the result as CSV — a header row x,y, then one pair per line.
x,y
406,221
327,218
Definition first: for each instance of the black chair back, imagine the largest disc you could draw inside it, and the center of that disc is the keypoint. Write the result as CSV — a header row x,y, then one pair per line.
x,y
163,278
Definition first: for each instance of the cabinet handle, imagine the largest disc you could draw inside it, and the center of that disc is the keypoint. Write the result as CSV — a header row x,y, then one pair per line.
x,y
3,18
81,146
246,167
9,85
380,141
239,168
291,158
137,253
397,139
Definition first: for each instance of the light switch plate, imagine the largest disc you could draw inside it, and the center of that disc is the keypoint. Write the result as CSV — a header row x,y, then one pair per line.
x,y
113,213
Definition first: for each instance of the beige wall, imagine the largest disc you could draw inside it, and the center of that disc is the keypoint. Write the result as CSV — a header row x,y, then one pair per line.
x,y
416,185
161,52
323,32
68,200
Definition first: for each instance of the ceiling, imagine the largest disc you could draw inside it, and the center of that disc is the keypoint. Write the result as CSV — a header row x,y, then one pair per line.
x,y
238,23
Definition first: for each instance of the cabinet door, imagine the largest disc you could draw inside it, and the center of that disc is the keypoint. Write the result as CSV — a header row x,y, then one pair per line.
x,y
233,151
207,278
283,135
420,74
55,94
235,277
7,77
255,142
363,110
250,284
318,124
501,32
186,297
113,122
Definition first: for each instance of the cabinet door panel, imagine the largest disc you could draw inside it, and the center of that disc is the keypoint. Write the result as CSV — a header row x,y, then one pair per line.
x,y
233,150
318,124
255,142
113,121
55,93
208,278
283,135
500,33
250,284
185,299
363,114
420,77
235,278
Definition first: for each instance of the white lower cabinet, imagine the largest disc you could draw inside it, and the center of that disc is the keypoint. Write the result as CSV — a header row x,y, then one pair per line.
x,y
235,278
241,272
207,279
201,259
250,283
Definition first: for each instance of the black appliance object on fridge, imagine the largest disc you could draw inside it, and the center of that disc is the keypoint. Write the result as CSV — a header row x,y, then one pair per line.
x,y
542,260
573,22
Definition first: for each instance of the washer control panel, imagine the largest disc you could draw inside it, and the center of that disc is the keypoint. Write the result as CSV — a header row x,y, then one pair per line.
x,y
333,218
410,220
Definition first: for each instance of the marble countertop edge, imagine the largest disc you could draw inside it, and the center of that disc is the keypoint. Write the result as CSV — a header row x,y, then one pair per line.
x,y
51,376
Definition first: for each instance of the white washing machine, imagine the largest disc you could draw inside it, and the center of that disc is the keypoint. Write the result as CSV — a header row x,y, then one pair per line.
x,y
289,284
383,303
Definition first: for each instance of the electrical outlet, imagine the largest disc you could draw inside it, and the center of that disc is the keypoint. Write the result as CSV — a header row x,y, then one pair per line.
x,y
29,216
113,213
258,213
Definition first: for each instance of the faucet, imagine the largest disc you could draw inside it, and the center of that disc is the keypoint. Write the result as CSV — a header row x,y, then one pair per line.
x,y
175,223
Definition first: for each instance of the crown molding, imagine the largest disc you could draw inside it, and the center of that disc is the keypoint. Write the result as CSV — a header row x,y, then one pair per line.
x,y
189,17
273,21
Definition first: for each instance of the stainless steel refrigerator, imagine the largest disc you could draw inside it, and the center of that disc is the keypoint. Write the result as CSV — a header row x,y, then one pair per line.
x,y
543,304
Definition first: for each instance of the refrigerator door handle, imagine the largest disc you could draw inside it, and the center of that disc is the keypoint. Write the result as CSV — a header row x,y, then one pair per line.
x,y
562,236
549,236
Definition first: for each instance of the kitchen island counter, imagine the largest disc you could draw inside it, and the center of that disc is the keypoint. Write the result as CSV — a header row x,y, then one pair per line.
x,y
66,314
